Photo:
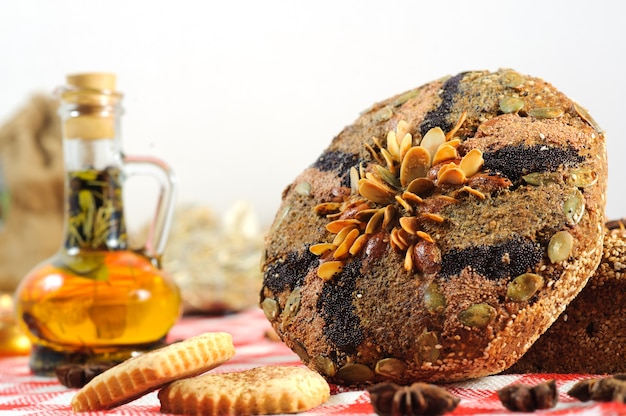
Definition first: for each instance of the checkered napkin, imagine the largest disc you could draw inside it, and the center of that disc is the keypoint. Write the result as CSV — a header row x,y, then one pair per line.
x,y
22,393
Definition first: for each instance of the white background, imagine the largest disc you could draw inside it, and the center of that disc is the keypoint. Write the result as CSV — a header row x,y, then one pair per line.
x,y
240,96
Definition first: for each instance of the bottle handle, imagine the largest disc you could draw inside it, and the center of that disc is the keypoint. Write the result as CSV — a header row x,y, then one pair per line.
x,y
162,220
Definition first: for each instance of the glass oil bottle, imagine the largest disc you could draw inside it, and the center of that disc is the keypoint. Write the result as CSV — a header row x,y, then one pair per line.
x,y
96,299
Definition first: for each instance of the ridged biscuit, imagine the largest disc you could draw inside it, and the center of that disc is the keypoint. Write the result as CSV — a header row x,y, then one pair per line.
x,y
259,391
439,235
144,373
590,336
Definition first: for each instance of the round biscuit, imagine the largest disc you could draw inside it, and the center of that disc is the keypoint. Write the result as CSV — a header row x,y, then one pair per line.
x,y
259,391
149,371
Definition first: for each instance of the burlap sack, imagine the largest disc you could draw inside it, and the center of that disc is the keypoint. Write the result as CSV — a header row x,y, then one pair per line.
x,y
31,160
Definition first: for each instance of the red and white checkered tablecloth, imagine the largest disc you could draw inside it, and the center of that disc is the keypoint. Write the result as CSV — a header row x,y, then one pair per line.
x,y
22,393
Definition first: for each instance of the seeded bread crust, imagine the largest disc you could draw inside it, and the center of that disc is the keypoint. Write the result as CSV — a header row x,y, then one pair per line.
x,y
452,276
590,336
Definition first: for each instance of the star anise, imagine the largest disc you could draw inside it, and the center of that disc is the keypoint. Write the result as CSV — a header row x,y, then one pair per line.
x,y
525,398
77,375
604,389
390,399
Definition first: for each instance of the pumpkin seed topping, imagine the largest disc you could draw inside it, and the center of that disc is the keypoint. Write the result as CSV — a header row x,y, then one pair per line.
x,y
383,114
479,315
541,178
524,287
271,308
512,79
546,112
405,97
325,365
511,105
355,373
560,246
434,300
390,367
584,114
292,307
394,186
303,188
574,207
428,347
582,178
299,349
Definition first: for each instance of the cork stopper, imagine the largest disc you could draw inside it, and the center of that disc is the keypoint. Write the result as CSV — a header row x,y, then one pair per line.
x,y
92,81
93,95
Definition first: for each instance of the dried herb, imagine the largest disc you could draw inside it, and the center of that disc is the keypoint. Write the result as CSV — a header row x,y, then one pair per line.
x,y
95,216
390,399
603,389
525,398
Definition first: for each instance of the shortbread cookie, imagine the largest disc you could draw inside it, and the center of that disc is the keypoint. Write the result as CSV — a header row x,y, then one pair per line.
x,y
590,336
440,234
144,373
260,391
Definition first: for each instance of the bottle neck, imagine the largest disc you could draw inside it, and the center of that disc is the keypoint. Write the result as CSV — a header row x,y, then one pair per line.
x,y
94,178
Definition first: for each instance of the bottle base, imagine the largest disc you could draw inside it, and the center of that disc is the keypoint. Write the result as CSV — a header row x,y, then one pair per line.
x,y
43,360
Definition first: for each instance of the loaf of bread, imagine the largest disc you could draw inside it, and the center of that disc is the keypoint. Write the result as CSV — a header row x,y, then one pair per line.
x,y
439,235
